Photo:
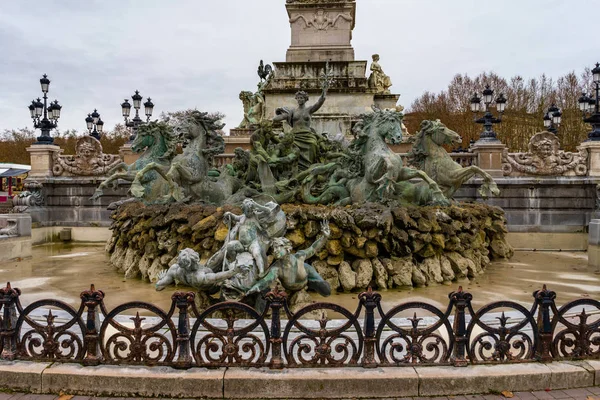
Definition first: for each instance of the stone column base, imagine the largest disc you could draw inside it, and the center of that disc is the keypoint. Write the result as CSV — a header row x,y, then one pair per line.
x,y
127,155
41,159
489,157
593,149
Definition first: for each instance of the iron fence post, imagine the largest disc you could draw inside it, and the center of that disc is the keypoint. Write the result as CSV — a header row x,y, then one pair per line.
x,y
461,300
276,299
9,298
370,301
91,299
545,301
182,301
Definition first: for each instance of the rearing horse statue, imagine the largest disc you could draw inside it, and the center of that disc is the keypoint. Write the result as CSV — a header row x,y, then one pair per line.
x,y
158,143
428,154
384,175
189,174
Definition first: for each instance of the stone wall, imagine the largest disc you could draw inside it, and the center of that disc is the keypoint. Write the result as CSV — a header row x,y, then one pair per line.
x,y
370,245
67,202
551,204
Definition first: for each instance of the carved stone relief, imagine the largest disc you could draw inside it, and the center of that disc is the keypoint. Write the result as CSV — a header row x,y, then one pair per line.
x,y
321,20
544,157
88,160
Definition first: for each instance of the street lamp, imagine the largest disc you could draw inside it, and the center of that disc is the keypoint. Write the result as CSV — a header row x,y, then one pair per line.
x,y
488,134
589,106
94,124
45,117
552,119
136,121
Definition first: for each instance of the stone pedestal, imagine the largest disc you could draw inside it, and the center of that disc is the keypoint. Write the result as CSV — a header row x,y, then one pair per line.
x,y
489,157
593,149
127,155
41,159
233,142
321,30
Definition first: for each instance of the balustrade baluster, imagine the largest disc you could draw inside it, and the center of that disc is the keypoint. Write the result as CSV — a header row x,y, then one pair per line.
x,y
370,300
461,300
276,299
545,301
182,301
9,299
91,299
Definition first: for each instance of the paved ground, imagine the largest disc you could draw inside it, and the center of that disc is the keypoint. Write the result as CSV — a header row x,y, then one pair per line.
x,y
590,393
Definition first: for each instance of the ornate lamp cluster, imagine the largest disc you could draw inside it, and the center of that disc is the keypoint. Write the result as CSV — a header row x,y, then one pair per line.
x,y
552,119
45,117
590,106
488,120
94,124
137,104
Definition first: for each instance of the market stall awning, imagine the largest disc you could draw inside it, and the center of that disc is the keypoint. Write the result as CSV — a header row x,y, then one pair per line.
x,y
7,169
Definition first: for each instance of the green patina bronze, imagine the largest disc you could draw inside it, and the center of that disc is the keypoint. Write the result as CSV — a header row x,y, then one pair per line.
x,y
157,142
189,175
428,155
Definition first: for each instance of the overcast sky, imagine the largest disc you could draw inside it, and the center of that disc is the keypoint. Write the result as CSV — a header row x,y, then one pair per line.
x,y
201,53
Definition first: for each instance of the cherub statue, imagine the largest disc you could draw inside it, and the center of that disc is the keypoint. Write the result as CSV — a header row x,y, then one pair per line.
x,y
292,270
190,272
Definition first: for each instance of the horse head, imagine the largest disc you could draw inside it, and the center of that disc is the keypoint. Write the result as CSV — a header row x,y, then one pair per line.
x,y
439,133
157,137
386,123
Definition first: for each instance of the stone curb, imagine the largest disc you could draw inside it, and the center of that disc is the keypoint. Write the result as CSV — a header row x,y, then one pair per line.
x,y
262,383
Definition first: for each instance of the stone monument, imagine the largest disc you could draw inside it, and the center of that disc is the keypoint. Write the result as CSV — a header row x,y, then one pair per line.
x,y
321,32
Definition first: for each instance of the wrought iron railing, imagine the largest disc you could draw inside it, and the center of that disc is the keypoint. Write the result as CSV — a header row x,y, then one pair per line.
x,y
235,334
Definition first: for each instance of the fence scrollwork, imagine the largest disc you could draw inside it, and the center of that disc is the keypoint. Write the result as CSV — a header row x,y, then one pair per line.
x,y
317,335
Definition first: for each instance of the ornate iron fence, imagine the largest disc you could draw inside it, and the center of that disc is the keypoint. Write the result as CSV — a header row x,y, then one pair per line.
x,y
235,334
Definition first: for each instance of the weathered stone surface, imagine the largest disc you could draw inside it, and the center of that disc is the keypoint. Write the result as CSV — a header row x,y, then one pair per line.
x,y
347,277
443,381
221,232
446,269
113,381
296,237
311,229
22,375
460,239
371,249
399,271
459,264
432,268
501,249
381,275
419,279
328,272
364,273
323,383
334,247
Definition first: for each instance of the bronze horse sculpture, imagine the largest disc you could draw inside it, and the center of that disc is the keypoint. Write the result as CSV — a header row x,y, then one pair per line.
x,y
189,175
157,142
428,155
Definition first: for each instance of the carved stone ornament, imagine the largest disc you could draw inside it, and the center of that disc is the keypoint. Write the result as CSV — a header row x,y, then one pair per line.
x,y
321,20
31,197
545,158
88,160
11,230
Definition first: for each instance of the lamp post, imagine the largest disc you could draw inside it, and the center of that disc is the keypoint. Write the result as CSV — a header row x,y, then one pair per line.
x,y
45,117
136,120
94,124
589,106
552,119
488,120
